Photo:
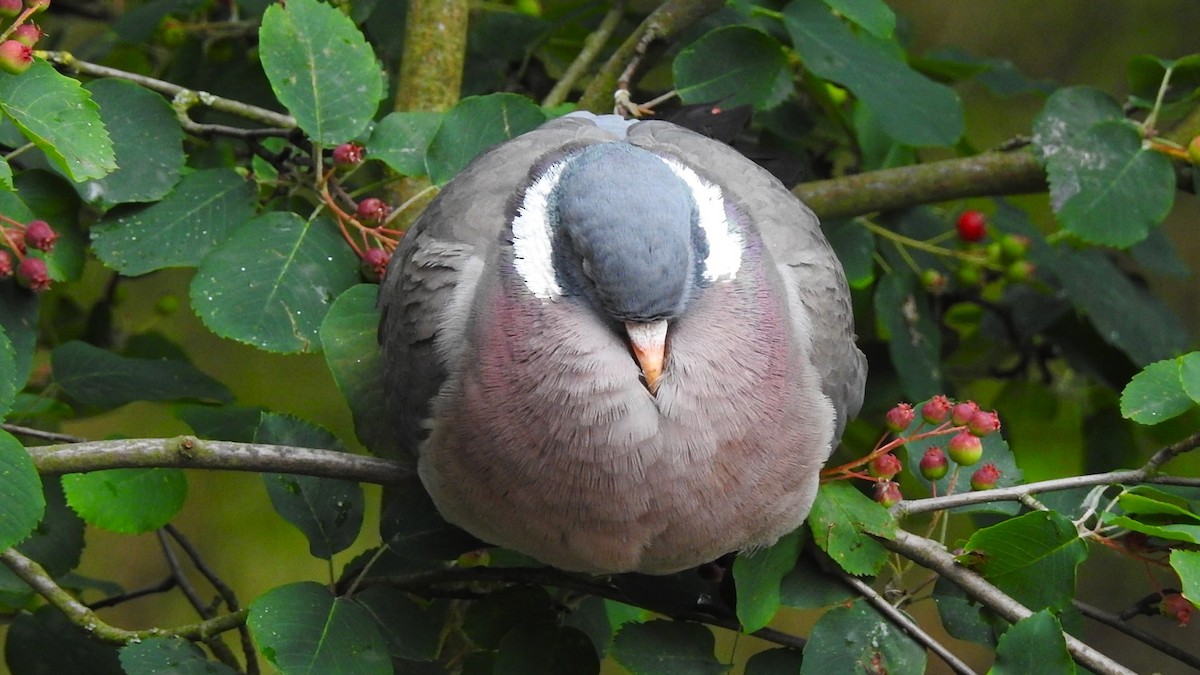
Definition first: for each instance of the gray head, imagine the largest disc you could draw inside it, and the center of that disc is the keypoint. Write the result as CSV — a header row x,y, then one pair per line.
x,y
626,232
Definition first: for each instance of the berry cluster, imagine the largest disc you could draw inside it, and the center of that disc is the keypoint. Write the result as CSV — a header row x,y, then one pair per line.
x,y
365,224
980,261
16,240
19,37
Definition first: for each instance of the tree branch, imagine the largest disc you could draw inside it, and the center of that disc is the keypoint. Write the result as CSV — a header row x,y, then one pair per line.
x,y
592,45
934,556
189,452
1113,621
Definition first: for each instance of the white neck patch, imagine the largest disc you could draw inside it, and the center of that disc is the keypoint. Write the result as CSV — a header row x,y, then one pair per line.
x,y
532,239
724,242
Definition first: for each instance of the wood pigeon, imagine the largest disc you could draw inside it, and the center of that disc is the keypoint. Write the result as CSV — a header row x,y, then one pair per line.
x,y
619,346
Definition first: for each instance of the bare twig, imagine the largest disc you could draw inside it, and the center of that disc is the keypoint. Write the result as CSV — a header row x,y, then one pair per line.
x,y
1113,621
189,452
214,643
592,45
41,434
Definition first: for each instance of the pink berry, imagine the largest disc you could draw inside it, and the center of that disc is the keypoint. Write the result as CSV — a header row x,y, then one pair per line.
x,y
964,448
375,263
15,58
10,8
884,466
39,235
972,226
348,154
962,412
985,477
32,274
373,210
28,34
933,464
984,422
899,417
6,266
888,492
935,410
1177,607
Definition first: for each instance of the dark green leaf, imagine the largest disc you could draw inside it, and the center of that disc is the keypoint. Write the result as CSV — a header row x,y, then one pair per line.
x,y
226,423
328,511
271,283
667,648
912,108
855,248
1189,374
856,639
303,629
1068,113
348,338
169,655
20,492
54,200
47,643
543,648
1156,394
842,520
490,619
1146,74
102,379
414,530
19,318
129,501
475,124
757,577
408,628
10,383
1031,557
178,231
1108,188
147,139
808,587
874,16
1187,565
1156,253
321,68
775,662
60,118
401,140
914,339
963,616
1034,644
733,66
56,543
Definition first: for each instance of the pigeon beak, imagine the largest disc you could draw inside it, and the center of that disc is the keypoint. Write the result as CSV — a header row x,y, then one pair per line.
x,y
648,341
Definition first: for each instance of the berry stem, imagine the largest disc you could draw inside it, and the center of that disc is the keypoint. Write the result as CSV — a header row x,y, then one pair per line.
x,y
17,22
901,241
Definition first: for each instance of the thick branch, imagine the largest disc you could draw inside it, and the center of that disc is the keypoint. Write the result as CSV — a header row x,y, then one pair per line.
x,y
987,174
435,48
934,556
188,452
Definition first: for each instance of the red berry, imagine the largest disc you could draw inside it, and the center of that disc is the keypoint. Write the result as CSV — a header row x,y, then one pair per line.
x,y
28,34
10,8
984,422
6,266
348,154
972,225
935,410
375,263
884,466
373,210
887,492
1177,607
39,235
962,412
32,274
899,417
933,464
15,58
985,477
965,449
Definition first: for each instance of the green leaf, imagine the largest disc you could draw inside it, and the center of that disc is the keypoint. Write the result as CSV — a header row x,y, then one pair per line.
x,y
9,382
1146,74
271,283
874,16
733,66
1189,534
963,616
856,639
173,655
321,68
1109,188
775,662
543,648
1156,394
19,321
414,531
667,648
328,511
20,492
855,248
757,577
1147,501
806,586
56,543
1189,375
1032,557
45,642
50,197
6,175
475,124
129,501
101,379
1034,644
147,139
1067,114
914,339
913,109
303,629
178,231
1187,565
493,617
407,628
348,339
60,118
841,520
401,140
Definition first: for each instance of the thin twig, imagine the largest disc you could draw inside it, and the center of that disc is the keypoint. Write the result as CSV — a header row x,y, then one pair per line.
x,y
593,44
121,598
1113,621
214,642
41,434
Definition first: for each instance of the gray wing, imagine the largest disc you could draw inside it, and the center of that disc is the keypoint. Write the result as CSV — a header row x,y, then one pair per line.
x,y
803,255
425,296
